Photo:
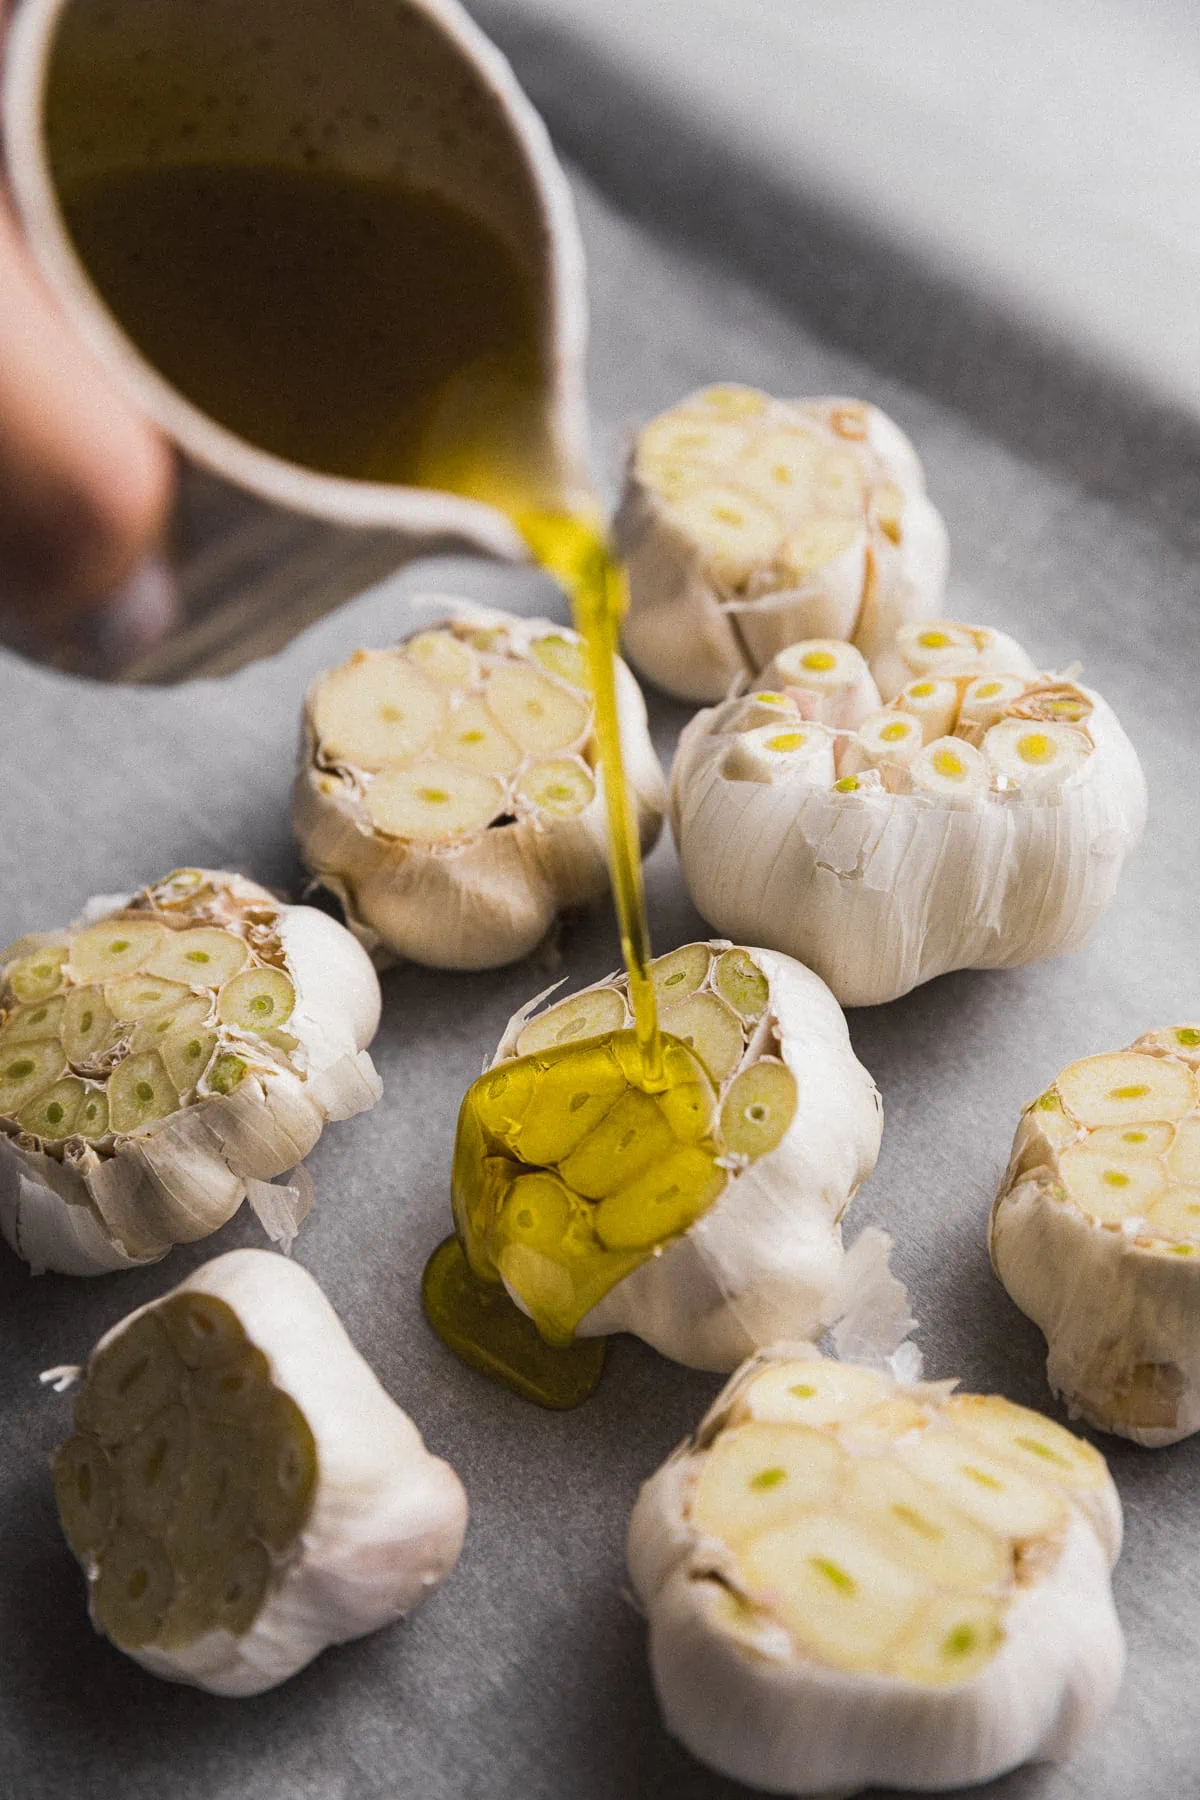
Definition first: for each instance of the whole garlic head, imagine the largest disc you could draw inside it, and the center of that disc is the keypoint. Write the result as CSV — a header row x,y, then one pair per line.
x,y
851,1580
1096,1234
164,1058
240,1490
980,819
704,1219
748,523
449,790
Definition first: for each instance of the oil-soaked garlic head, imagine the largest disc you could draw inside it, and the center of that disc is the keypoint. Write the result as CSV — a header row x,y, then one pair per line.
x,y
1096,1234
851,1581
979,820
449,790
160,1063
704,1219
748,523
240,1490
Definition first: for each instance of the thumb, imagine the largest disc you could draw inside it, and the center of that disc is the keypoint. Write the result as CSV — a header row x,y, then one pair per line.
x,y
85,483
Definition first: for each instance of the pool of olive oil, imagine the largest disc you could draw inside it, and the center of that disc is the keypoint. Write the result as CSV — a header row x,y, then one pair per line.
x,y
363,329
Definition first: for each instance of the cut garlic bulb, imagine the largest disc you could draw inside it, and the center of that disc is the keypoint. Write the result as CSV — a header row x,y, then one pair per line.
x,y
973,822
704,1219
852,1581
1096,1235
240,1490
171,1058
449,791
748,523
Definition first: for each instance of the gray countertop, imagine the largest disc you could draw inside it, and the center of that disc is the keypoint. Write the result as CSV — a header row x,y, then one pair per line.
x,y
525,1676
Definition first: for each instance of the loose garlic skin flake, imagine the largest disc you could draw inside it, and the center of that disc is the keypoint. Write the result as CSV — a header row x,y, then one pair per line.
x,y
748,523
732,1232
163,1060
853,1582
240,1490
1096,1235
980,818
449,791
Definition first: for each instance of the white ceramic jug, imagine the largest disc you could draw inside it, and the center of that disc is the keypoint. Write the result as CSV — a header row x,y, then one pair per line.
x,y
382,86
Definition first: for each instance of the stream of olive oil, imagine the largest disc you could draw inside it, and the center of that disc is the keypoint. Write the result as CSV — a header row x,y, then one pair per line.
x,y
363,329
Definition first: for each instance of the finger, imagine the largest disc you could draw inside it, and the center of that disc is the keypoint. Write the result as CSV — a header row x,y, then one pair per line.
x,y
85,484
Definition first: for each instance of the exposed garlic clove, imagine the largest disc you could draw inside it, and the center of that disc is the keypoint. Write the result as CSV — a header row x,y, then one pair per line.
x,y
828,681
705,1219
773,752
461,848
887,739
934,703
854,1581
435,803
376,712
985,700
950,770
941,649
1036,759
1096,1235
146,1118
444,659
995,844
240,1490
749,523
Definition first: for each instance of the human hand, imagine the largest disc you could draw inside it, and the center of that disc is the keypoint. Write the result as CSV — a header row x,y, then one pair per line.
x,y
85,487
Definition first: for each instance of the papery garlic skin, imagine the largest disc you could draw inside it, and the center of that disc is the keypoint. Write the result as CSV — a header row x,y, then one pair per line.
x,y
748,523
995,844
380,1520
252,1106
1095,1233
487,890
854,1684
767,1254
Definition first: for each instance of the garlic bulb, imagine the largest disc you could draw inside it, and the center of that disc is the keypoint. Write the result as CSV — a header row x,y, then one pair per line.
x,y
448,790
240,1490
748,523
853,1581
1096,1234
981,819
704,1219
163,1059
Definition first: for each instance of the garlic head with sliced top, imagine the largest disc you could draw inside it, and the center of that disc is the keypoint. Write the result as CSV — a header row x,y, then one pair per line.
x,y
705,1217
449,790
981,818
748,523
166,1057
852,1580
240,1490
1096,1234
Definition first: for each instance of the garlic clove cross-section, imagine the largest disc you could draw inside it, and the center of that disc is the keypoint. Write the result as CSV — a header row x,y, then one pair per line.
x,y
748,523
165,1060
979,818
1096,1234
449,791
239,1490
854,1581
705,1219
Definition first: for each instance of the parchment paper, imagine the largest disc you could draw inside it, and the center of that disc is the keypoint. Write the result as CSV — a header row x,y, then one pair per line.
x,y
525,1677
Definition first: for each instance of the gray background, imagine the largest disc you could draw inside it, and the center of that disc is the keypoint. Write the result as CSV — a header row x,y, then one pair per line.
x,y
1070,500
